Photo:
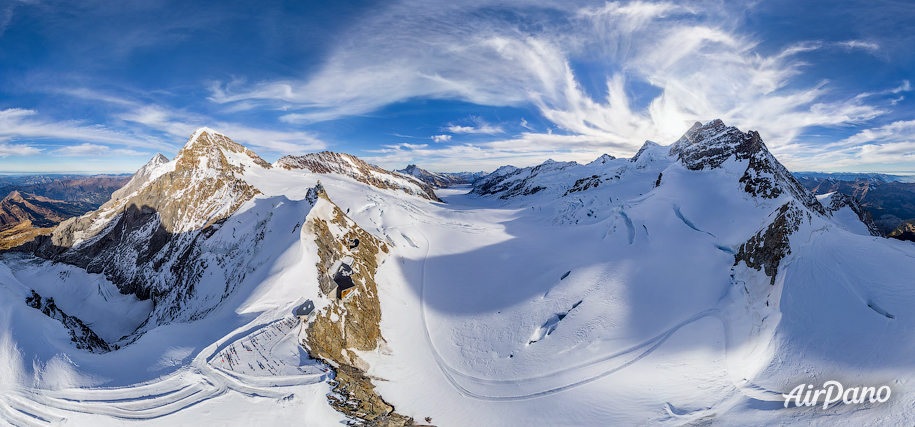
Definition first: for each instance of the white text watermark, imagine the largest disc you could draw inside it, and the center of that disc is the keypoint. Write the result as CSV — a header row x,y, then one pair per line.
x,y
833,392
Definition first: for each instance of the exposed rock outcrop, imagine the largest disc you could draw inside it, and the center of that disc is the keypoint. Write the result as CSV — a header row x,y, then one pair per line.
x,y
765,250
352,324
508,181
354,167
708,146
838,201
81,335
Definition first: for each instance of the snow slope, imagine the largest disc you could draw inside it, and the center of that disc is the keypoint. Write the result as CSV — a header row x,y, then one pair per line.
x,y
693,283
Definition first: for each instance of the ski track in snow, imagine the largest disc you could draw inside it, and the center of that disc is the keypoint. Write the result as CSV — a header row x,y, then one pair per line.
x,y
615,361
202,380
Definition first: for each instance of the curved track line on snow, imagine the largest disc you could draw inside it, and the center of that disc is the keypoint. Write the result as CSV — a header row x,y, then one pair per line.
x,y
638,352
193,384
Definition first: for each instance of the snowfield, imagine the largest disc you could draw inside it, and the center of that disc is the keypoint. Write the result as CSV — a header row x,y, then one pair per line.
x,y
616,304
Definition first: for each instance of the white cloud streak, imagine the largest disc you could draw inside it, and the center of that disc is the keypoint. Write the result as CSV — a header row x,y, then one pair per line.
x,y
18,124
700,67
182,124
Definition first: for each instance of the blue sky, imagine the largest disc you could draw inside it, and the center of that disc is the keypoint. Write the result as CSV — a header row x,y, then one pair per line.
x,y
101,86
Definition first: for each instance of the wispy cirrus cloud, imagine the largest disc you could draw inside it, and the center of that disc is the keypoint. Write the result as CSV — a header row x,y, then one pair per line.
x,y
182,124
479,127
93,150
698,63
18,150
19,124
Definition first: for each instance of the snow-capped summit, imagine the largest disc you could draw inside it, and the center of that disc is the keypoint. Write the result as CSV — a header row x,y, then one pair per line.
x,y
210,149
354,167
167,208
603,159
150,170
435,179
696,272
711,145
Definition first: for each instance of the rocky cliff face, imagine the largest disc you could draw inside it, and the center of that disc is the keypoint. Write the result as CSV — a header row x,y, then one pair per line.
x,y
838,201
80,334
710,145
508,181
150,241
351,324
353,167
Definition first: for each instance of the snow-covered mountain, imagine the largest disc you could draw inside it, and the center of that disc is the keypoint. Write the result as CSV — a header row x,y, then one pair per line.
x,y
356,168
694,283
440,179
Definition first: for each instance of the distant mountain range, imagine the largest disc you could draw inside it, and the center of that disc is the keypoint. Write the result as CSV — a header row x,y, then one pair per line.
x,y
889,202
34,205
851,176
441,179
703,272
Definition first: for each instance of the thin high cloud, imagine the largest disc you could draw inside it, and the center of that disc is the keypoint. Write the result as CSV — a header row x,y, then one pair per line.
x,y
479,126
700,66
22,124
94,150
181,124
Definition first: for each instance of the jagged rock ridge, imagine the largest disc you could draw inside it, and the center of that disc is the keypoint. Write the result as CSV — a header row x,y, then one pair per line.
x,y
356,168
80,334
353,323
150,242
709,146
435,179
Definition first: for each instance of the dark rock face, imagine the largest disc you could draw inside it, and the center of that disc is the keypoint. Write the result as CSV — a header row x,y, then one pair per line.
x,y
904,231
83,337
839,201
584,184
766,249
709,146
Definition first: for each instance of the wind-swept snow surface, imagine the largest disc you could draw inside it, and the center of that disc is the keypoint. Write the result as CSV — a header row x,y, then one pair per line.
x,y
692,284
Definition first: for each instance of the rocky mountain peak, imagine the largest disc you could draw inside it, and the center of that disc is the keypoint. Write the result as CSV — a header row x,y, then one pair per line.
x,y
158,159
207,149
708,146
603,159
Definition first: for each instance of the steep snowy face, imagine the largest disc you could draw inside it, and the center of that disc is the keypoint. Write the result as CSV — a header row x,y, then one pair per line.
x,y
149,171
438,180
152,241
353,167
508,181
710,146
847,211
553,179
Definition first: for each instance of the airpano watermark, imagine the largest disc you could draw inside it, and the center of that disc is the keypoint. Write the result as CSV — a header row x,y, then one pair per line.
x,y
833,392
